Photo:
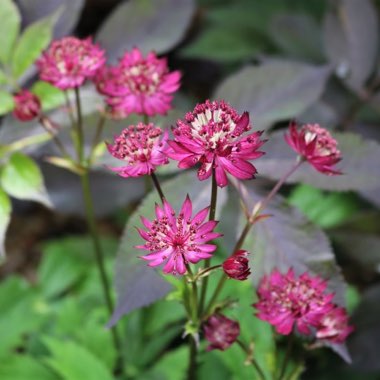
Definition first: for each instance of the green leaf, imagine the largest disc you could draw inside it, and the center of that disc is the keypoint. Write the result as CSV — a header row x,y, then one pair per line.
x,y
22,367
74,362
325,209
220,45
9,28
32,42
21,178
50,96
3,78
20,313
6,103
65,262
5,215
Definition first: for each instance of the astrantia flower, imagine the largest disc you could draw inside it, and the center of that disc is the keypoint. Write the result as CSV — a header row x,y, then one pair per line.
x,y
285,301
68,62
138,84
141,148
334,326
315,144
177,240
27,106
213,135
237,266
221,332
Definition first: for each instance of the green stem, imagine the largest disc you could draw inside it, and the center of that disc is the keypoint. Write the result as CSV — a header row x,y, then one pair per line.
x,y
287,356
97,137
251,359
214,297
214,196
99,257
157,186
48,126
79,126
192,369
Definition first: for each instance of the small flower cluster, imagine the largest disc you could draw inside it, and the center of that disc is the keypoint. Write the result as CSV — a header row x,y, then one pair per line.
x,y
214,135
138,84
315,145
287,301
68,62
141,148
178,240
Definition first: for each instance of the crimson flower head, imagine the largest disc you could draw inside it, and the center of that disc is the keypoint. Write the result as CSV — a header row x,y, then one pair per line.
x,y
286,301
141,148
214,136
316,145
177,240
27,106
68,62
221,332
334,326
237,266
138,84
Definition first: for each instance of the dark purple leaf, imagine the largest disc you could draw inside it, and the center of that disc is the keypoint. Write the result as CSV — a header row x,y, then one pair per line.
x,y
351,39
274,91
33,10
364,342
298,35
151,25
359,165
287,239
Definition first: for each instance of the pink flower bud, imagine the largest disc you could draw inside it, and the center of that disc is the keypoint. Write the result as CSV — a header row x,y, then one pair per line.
x,y
237,266
221,332
27,106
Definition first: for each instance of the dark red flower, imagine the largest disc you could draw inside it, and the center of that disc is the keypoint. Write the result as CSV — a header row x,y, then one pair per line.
x,y
27,106
221,332
315,144
237,266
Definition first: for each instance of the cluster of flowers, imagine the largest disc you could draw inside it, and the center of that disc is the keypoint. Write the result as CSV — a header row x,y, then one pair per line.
x,y
219,140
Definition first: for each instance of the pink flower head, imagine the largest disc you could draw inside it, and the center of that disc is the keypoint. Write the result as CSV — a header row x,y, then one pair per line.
x,y
68,62
177,240
237,265
212,135
316,145
138,85
334,326
27,106
285,301
141,148
221,332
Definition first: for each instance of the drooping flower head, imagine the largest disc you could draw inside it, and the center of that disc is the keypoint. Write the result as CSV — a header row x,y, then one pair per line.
x,y
27,106
237,265
334,326
221,332
177,240
286,301
316,145
138,84
214,136
141,148
69,61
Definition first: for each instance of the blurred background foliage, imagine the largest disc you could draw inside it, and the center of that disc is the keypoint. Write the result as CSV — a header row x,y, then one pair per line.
x,y
315,60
